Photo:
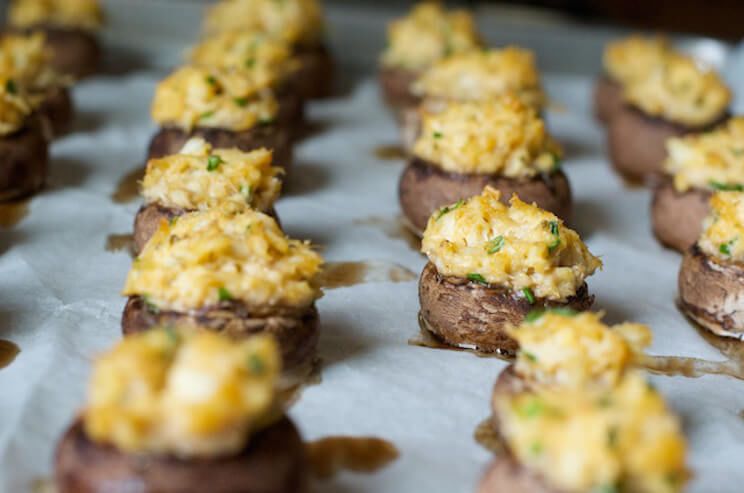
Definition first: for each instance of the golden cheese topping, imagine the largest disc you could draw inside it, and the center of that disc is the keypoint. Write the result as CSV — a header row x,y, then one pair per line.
x,y
15,106
482,75
200,177
711,160
84,14
520,246
427,34
297,22
682,91
199,96
249,50
623,439
25,59
502,136
723,229
186,393
217,255
634,57
563,349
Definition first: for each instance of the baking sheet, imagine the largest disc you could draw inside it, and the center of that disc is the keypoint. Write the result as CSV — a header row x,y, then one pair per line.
x,y
59,286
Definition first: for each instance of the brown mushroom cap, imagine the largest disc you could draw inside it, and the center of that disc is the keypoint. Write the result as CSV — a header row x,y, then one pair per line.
x,y
711,292
395,84
24,158
424,189
608,99
273,462
75,52
149,216
677,217
58,108
296,330
464,313
170,140
315,77
637,143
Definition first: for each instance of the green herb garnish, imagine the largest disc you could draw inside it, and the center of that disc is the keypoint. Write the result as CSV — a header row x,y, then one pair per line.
x,y
242,102
537,313
437,135
529,295
477,278
536,448
266,120
528,355
206,115
450,208
604,401
223,294
11,86
612,437
495,245
213,162
726,187
256,364
532,409
725,248
211,80
250,63
555,231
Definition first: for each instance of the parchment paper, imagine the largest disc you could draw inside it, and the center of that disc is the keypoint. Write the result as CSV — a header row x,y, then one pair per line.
x,y
59,287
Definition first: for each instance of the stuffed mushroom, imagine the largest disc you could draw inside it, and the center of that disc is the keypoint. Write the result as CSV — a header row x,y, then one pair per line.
x,y
474,76
183,411
696,166
426,35
70,28
229,271
464,147
24,148
226,107
269,58
623,438
625,60
678,97
491,264
710,288
298,23
199,178
25,59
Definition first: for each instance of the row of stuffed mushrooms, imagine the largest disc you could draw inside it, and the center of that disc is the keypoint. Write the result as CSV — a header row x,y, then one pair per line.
x,y
220,318
44,49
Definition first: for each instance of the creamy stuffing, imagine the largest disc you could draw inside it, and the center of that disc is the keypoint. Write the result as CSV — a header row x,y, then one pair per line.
x,y
200,177
428,34
84,14
634,57
520,247
622,439
297,22
199,96
723,229
205,258
560,348
15,106
709,161
183,393
682,91
481,75
501,136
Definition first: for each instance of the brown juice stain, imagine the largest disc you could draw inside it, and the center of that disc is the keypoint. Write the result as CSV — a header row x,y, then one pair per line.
x,y
11,213
730,348
8,352
394,228
428,339
293,383
128,187
120,242
331,455
486,436
344,274
390,153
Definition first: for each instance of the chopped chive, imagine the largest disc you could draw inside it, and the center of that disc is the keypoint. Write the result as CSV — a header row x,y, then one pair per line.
x,y
557,161
536,448
495,245
256,364
477,278
450,208
532,409
211,80
223,294
242,102
555,231
725,248
266,120
528,355
612,437
437,135
213,162
529,295
534,315
250,63
206,114
604,401
11,87
726,187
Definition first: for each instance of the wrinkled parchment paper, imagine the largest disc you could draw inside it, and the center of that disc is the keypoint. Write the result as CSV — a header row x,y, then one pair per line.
x,y
59,287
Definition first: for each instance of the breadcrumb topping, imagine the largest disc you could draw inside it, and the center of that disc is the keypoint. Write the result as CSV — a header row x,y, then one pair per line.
x,y
84,14
723,229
